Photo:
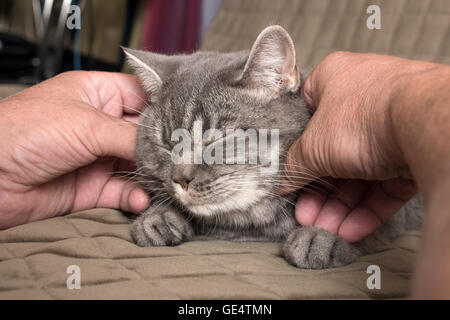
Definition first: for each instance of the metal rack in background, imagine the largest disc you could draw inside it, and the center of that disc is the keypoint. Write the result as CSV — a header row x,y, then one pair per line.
x,y
50,46
49,61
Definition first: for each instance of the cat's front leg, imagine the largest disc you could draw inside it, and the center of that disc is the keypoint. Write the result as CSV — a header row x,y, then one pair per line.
x,y
161,226
314,248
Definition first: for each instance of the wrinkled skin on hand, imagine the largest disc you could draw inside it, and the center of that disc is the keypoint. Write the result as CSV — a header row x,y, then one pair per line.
x,y
61,142
350,141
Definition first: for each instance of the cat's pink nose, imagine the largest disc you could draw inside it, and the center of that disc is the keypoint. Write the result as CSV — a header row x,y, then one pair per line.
x,y
184,183
183,174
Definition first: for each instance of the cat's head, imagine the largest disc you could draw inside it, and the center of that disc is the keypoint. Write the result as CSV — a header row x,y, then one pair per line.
x,y
256,91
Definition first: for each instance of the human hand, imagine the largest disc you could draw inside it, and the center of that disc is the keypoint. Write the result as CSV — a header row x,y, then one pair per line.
x,y
61,142
350,138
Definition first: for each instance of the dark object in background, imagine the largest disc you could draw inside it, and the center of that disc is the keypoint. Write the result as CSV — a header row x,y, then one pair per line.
x,y
37,44
56,48
17,59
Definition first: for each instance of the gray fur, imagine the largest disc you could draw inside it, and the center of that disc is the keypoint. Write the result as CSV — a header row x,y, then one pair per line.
x,y
247,89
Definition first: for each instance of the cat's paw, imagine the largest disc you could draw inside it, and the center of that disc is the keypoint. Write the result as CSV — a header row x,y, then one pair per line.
x,y
162,228
314,248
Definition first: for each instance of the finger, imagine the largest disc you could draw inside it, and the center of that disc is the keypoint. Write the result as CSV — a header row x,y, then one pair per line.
x,y
308,207
361,222
348,193
134,119
113,93
383,201
125,195
296,171
96,186
307,92
131,92
111,136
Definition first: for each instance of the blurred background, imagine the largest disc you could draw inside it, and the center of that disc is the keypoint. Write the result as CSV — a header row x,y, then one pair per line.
x,y
40,38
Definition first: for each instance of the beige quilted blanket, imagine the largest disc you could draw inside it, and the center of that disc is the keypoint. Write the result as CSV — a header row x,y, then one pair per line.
x,y
34,258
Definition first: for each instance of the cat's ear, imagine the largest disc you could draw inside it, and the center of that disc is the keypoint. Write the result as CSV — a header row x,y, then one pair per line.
x,y
271,68
148,68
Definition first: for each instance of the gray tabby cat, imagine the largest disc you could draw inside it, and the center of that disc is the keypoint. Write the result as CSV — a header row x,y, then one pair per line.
x,y
249,89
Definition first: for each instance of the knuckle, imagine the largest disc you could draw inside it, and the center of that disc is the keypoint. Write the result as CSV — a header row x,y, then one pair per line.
x,y
335,58
332,57
72,74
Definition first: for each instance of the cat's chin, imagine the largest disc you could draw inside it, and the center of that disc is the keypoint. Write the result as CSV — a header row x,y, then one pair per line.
x,y
239,202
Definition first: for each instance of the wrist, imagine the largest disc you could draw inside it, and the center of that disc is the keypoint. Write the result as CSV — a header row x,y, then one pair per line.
x,y
398,85
416,117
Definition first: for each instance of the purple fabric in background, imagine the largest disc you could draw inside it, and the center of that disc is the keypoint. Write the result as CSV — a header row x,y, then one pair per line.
x,y
172,26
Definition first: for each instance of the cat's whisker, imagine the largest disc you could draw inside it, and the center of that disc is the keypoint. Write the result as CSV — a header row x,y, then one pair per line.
x,y
160,203
146,104
130,107
294,163
125,122
278,178
307,187
307,174
312,177
273,195
128,173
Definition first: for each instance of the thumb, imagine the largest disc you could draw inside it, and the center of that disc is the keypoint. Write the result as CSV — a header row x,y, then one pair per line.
x,y
297,169
112,136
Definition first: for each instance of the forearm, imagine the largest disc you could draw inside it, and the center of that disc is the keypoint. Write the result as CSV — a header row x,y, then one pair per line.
x,y
420,114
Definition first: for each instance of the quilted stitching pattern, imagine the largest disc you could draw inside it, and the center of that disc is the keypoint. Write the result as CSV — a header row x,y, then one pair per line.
x,y
34,259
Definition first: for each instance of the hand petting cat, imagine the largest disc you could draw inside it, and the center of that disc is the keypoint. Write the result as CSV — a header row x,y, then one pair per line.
x,y
351,136
61,142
